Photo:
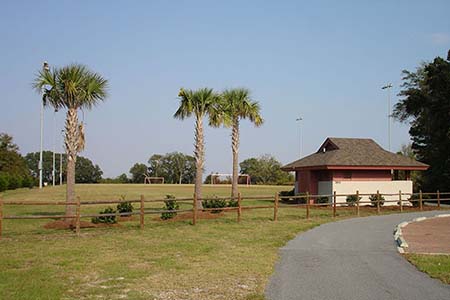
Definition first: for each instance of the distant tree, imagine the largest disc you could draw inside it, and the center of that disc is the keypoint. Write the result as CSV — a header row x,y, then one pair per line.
x,y
175,167
155,165
13,170
237,105
72,87
200,103
265,170
11,161
138,172
122,178
425,104
85,170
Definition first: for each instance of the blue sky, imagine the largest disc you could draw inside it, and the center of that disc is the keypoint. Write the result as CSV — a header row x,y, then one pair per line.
x,y
323,60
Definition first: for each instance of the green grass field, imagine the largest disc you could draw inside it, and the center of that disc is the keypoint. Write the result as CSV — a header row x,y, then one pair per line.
x,y
216,259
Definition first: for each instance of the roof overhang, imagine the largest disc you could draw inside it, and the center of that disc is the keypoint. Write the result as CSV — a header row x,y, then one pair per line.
x,y
403,168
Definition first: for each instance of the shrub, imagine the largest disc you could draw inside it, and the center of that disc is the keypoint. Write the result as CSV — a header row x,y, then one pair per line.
x,y
233,203
351,200
105,219
214,202
170,204
287,193
415,199
373,199
285,197
323,199
125,207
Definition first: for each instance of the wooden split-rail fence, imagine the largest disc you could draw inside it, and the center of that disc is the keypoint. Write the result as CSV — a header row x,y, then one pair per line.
x,y
305,201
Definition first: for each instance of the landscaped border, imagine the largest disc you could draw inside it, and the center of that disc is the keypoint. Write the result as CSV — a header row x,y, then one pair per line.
x,y
402,245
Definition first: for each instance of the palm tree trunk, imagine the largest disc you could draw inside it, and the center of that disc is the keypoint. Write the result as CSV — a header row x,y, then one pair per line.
x,y
199,154
235,150
71,141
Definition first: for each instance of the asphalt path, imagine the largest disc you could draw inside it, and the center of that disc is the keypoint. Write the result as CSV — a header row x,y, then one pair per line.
x,y
352,259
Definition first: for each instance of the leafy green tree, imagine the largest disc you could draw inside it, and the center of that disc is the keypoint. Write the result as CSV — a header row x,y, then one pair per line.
x,y
408,151
200,103
11,161
425,104
237,105
13,170
72,87
175,167
85,170
265,170
138,172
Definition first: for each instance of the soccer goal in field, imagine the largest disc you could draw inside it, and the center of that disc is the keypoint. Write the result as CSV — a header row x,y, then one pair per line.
x,y
220,178
153,180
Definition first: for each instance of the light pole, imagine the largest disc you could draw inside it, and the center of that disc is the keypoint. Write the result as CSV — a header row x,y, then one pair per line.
x,y
45,68
388,87
299,119
61,161
54,147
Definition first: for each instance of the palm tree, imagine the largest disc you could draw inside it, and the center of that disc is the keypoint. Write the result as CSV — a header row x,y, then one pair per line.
x,y
72,87
199,103
237,104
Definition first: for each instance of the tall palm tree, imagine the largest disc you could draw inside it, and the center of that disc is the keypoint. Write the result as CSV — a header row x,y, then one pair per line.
x,y
72,87
199,103
237,104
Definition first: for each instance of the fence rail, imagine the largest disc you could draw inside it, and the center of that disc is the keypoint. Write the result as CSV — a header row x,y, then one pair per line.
x,y
308,202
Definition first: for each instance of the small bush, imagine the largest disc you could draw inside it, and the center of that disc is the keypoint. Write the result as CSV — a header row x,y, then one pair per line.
x,y
287,193
351,200
415,199
15,182
323,199
373,199
233,203
105,219
215,202
170,204
124,207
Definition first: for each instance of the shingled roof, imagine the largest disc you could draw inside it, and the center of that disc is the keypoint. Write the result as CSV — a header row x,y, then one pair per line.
x,y
353,152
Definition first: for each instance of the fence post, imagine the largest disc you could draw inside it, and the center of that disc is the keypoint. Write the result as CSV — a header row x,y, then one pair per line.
x,y
239,210
378,202
194,212
141,213
400,200
438,196
420,200
357,203
1,216
334,204
275,208
77,219
307,205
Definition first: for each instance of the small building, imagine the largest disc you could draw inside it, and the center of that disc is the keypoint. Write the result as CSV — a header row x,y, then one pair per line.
x,y
347,165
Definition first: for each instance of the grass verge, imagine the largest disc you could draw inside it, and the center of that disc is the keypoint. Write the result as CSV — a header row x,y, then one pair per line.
x,y
437,266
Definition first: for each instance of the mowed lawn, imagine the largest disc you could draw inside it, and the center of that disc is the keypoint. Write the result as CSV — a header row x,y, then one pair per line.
x,y
216,259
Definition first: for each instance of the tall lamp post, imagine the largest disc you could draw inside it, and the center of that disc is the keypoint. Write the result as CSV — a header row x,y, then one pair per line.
x,y
61,162
299,119
45,68
54,148
388,88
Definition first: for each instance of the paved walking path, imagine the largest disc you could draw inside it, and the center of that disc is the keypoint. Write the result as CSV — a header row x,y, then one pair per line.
x,y
352,259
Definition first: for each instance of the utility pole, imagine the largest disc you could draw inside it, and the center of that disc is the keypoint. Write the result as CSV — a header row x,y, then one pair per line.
x,y
388,87
61,161
299,119
54,148
45,68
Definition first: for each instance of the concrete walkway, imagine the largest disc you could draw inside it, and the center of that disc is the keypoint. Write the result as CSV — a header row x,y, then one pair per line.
x,y
351,259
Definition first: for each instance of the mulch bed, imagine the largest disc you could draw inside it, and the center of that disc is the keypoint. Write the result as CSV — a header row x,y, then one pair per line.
x,y
206,215
428,236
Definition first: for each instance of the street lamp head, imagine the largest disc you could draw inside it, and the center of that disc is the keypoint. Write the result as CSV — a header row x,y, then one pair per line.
x,y
46,66
299,119
387,86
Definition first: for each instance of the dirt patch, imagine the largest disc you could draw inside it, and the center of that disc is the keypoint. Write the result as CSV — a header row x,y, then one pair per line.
x,y
71,225
206,215
428,236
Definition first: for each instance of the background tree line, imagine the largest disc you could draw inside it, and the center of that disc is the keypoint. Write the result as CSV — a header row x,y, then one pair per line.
x,y
18,171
